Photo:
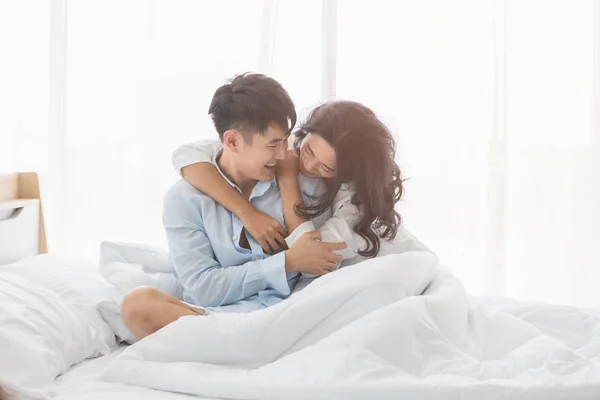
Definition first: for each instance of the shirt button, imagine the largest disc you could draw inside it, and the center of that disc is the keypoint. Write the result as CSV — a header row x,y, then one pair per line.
x,y
234,237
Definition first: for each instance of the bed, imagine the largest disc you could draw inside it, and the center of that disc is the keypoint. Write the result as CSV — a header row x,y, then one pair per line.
x,y
54,341
398,326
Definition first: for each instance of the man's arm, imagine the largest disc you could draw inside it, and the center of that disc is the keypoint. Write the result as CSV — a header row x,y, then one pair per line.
x,y
203,278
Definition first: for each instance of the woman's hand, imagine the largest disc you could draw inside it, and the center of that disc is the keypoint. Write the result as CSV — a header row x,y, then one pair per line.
x,y
265,229
289,166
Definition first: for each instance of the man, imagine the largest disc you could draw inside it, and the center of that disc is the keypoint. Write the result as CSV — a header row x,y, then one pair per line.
x,y
219,265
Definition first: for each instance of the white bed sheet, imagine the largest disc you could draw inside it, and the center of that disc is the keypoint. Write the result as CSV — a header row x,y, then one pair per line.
x,y
88,370
81,383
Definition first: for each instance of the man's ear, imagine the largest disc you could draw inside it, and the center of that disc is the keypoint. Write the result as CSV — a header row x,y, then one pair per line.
x,y
232,140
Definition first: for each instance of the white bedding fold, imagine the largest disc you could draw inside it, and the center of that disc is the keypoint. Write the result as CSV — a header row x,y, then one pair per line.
x,y
364,332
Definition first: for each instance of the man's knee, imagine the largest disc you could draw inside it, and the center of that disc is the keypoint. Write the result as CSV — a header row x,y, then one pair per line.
x,y
137,305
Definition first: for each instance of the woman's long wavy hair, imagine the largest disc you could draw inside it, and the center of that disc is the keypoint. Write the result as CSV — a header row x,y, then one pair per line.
x,y
365,152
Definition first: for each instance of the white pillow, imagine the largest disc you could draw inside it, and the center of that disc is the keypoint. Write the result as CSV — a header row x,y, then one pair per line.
x,y
112,312
41,334
150,258
125,277
127,266
77,282
128,276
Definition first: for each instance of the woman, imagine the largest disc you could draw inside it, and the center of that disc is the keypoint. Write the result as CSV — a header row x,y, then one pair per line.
x,y
342,142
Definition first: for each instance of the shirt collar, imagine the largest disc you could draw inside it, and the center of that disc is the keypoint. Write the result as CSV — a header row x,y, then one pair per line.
x,y
259,189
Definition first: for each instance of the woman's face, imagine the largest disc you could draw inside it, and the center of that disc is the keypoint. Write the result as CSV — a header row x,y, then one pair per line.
x,y
317,157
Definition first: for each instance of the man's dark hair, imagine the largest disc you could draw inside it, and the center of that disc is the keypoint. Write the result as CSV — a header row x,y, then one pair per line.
x,y
250,103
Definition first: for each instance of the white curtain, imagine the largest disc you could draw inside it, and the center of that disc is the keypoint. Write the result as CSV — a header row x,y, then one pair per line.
x,y
493,104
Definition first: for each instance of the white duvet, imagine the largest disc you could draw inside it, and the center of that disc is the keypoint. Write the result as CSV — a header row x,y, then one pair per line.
x,y
365,332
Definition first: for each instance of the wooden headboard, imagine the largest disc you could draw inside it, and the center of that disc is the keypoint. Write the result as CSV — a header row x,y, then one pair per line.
x,y
19,190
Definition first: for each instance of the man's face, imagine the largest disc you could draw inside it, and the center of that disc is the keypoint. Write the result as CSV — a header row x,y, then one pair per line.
x,y
257,158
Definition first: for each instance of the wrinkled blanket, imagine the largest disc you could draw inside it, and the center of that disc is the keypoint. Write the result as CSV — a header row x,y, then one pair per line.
x,y
399,326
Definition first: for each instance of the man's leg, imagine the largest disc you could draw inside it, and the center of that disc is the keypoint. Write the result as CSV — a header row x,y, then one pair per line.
x,y
146,310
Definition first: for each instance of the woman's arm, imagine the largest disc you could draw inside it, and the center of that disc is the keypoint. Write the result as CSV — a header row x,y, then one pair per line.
x,y
200,151
338,228
194,163
287,178
205,177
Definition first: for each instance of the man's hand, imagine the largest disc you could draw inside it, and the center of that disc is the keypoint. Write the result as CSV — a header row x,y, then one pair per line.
x,y
265,229
311,256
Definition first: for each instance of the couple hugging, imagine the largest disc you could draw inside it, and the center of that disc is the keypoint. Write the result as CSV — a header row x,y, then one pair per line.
x,y
253,215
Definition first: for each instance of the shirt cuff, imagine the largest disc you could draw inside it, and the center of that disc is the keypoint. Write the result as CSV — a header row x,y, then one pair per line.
x,y
307,226
188,155
273,271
